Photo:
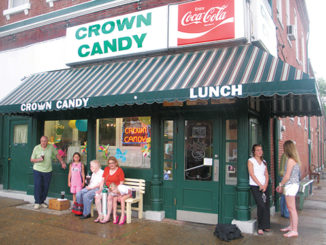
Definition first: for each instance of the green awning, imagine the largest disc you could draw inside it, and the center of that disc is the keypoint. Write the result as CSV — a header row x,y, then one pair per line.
x,y
241,72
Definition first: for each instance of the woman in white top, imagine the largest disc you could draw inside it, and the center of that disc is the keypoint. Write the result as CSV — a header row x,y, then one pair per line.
x,y
258,181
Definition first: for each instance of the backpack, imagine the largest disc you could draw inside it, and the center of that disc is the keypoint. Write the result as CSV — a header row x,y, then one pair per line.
x,y
227,232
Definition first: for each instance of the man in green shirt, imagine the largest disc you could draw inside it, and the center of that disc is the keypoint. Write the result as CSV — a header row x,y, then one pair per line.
x,y
42,170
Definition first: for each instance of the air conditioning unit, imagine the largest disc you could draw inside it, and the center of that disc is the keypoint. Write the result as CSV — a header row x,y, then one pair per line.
x,y
291,31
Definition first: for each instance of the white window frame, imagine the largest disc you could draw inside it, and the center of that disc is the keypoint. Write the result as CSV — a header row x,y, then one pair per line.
x,y
296,38
279,12
50,2
288,20
13,10
299,121
303,53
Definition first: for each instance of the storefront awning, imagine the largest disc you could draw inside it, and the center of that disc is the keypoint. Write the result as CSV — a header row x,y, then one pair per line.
x,y
241,71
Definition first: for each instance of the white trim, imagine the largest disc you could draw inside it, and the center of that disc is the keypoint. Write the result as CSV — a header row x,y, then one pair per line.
x,y
68,16
50,2
20,8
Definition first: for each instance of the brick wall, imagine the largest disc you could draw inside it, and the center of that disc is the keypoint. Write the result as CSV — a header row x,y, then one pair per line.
x,y
38,7
59,29
286,48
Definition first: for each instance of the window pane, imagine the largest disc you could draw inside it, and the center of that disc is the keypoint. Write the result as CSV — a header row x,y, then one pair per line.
x,y
231,129
231,152
198,150
128,139
15,3
168,150
20,134
69,136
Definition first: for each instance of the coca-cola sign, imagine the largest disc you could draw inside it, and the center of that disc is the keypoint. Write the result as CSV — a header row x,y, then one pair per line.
x,y
205,21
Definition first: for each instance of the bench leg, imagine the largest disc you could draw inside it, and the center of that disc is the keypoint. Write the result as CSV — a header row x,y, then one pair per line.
x,y
140,209
92,210
128,213
301,201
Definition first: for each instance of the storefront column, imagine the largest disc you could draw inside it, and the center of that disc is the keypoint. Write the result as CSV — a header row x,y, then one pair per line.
x,y
157,204
276,161
242,209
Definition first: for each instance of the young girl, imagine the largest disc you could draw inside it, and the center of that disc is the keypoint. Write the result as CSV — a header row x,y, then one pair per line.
x,y
291,184
120,193
76,177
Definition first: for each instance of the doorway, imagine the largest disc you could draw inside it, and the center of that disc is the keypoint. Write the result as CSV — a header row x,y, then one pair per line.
x,y
19,154
191,169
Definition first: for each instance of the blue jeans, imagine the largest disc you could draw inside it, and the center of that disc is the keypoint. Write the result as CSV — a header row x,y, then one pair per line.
x,y
86,197
41,186
284,208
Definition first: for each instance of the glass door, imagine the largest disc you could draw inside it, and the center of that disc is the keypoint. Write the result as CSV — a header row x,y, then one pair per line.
x,y
198,150
197,171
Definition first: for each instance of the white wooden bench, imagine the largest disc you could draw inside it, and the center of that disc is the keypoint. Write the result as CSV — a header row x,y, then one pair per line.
x,y
139,186
304,191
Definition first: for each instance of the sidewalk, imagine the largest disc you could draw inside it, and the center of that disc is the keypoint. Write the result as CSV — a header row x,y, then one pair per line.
x,y
20,224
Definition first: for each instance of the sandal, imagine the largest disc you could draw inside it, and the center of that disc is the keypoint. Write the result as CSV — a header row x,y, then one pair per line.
x,y
123,220
291,234
286,229
260,232
98,219
105,220
267,230
116,220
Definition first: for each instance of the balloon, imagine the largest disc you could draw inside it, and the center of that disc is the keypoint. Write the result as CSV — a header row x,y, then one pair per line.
x,y
81,125
145,120
72,123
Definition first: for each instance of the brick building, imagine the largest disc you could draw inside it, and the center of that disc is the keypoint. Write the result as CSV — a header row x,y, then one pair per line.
x,y
180,113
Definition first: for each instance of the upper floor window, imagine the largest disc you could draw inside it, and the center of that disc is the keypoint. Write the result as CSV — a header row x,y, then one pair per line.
x,y
16,6
16,3
279,11
296,35
303,53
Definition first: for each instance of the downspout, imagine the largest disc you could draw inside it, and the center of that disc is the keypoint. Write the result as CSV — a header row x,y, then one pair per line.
x,y
309,144
276,160
318,142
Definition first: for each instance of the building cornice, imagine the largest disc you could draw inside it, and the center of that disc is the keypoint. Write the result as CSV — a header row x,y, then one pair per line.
x,y
61,15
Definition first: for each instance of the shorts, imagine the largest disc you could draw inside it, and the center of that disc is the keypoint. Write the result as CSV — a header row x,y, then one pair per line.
x,y
291,189
74,189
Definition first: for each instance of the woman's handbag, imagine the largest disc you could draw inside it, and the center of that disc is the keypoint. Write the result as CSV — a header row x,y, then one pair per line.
x,y
77,208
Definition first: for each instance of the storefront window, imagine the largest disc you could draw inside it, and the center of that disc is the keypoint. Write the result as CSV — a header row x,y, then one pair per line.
x,y
20,134
231,149
128,139
68,136
168,150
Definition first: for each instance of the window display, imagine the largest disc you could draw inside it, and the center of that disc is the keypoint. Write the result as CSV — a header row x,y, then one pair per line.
x,y
68,136
128,139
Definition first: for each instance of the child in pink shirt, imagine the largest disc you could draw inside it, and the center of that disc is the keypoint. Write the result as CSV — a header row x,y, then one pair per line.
x,y
76,177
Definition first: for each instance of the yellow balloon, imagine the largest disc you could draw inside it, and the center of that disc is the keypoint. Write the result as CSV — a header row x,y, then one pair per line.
x,y
72,123
145,120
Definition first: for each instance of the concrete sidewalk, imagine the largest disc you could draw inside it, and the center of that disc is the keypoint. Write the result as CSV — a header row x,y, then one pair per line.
x,y
20,224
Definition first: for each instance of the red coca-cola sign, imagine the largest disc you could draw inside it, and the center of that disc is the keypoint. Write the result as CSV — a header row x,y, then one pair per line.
x,y
205,21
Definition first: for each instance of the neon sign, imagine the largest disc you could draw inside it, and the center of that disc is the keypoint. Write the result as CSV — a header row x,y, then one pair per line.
x,y
135,135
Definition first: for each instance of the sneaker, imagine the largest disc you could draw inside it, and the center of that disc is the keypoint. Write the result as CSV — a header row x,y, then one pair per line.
x,y
37,206
44,205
